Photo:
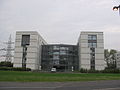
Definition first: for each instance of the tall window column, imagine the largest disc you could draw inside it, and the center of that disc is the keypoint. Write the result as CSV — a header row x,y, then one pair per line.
x,y
25,42
92,44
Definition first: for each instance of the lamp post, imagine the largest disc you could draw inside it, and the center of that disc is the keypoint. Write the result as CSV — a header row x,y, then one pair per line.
x,y
116,8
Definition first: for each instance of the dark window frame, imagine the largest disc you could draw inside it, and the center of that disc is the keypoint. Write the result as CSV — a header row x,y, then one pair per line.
x,y
25,40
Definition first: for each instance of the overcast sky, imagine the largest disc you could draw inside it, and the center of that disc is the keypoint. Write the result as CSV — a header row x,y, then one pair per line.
x,y
61,21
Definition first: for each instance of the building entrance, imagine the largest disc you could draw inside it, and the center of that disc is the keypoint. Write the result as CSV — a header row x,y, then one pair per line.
x,y
60,68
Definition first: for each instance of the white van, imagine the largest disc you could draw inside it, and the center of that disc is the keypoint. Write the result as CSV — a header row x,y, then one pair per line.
x,y
53,70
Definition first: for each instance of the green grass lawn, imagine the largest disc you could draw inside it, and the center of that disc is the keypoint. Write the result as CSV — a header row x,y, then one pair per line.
x,y
20,76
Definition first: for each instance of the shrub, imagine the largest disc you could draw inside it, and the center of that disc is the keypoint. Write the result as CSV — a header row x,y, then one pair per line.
x,y
83,70
93,71
14,69
5,68
6,64
110,71
100,71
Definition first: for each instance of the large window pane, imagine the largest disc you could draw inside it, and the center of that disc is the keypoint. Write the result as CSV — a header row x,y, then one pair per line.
x,y
56,57
55,52
89,37
55,47
25,40
62,48
62,52
94,37
94,44
56,62
89,44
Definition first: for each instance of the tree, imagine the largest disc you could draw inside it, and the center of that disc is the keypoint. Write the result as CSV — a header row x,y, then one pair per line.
x,y
106,56
110,58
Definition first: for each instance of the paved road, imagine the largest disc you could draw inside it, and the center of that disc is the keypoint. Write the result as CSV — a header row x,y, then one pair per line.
x,y
91,85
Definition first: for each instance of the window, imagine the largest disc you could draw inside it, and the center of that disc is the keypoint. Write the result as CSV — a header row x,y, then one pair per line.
x,y
51,56
55,52
92,57
92,44
55,47
25,40
63,57
55,62
62,52
62,48
24,58
89,37
50,53
89,44
92,41
92,37
55,57
92,50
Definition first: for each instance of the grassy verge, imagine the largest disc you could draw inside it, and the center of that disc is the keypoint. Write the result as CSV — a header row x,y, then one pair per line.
x,y
20,76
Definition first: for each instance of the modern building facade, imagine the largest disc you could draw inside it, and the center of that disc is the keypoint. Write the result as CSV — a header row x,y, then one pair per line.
x,y
117,60
32,51
28,49
91,50
60,56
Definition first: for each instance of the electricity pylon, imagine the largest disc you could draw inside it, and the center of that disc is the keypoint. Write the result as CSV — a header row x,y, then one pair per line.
x,y
8,56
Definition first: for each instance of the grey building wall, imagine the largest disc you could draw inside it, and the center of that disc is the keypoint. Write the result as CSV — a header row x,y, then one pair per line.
x,y
118,59
85,51
33,56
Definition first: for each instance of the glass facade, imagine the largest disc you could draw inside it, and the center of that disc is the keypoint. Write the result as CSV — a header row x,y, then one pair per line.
x,y
24,42
92,58
62,57
24,57
92,44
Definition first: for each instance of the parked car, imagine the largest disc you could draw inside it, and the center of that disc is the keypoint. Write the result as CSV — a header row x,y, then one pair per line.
x,y
53,70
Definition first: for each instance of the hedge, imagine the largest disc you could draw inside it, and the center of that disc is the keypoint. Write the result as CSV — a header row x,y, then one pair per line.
x,y
100,71
14,69
6,64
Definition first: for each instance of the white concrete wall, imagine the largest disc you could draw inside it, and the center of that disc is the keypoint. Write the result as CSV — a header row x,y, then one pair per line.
x,y
33,50
118,59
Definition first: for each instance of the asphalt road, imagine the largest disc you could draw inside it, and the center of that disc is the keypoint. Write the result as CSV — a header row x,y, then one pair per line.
x,y
91,85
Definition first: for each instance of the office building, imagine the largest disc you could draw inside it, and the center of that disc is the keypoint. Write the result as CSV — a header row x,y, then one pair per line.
x,y
28,49
91,50
32,51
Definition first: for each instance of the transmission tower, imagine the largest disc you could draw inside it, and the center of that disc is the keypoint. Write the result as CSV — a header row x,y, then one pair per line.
x,y
8,56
